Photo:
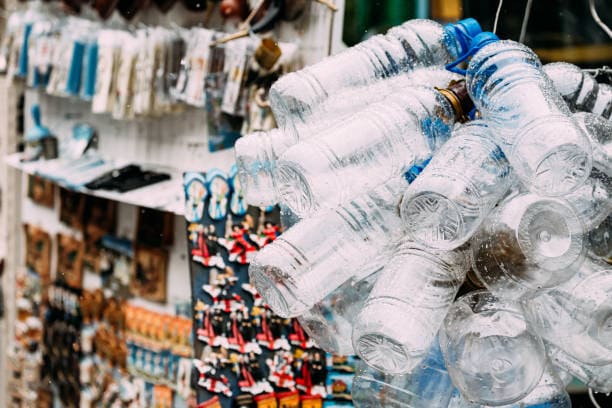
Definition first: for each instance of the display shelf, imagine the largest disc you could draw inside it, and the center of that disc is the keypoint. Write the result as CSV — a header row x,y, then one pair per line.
x,y
164,196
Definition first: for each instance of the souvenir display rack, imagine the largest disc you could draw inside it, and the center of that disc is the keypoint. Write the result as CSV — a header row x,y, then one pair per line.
x,y
174,143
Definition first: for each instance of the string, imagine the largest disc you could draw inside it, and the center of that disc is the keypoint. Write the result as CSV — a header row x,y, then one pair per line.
x,y
598,20
497,14
525,21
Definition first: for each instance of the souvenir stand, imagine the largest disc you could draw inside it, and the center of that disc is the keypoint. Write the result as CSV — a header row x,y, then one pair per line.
x,y
100,273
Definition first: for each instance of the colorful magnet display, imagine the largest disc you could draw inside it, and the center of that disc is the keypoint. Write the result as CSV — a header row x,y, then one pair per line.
x,y
245,355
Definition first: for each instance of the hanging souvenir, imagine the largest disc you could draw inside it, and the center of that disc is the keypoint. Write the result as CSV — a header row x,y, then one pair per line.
x,y
257,298
195,196
298,337
289,399
149,271
238,205
238,242
70,260
206,248
311,378
210,378
38,252
211,403
266,401
281,371
269,233
219,189
41,191
339,386
248,381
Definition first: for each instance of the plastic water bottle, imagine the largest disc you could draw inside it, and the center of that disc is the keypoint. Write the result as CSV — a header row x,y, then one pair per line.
x,y
379,142
597,377
579,89
528,243
599,132
593,200
428,385
577,315
549,393
319,254
257,153
491,352
344,104
416,43
545,146
403,314
330,322
457,190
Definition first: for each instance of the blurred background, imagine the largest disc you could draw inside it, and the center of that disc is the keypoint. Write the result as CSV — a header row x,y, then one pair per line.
x,y
558,30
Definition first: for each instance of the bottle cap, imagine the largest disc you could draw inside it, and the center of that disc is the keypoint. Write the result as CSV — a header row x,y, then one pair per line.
x,y
470,26
415,170
464,31
476,44
483,39
458,96
38,132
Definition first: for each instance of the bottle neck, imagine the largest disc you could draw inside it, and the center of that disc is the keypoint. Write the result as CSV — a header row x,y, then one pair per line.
x,y
457,95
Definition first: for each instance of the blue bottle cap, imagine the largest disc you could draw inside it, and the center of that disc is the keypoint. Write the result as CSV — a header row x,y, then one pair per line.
x,y
38,132
483,39
470,26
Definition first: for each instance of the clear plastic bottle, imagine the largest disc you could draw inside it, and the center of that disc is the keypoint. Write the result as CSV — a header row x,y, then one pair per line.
x,y
547,149
579,89
403,314
599,132
428,385
528,243
257,153
597,377
379,142
593,200
330,322
319,254
457,190
491,353
577,315
549,393
340,106
416,43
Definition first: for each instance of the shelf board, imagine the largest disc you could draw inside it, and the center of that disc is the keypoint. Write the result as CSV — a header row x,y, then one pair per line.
x,y
164,196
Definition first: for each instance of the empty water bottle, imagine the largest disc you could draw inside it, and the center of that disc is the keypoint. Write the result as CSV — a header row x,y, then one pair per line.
x,y
579,89
317,255
428,385
257,153
599,132
597,377
330,322
403,314
457,190
256,156
344,104
577,315
527,243
545,146
549,393
491,353
593,200
377,143
415,43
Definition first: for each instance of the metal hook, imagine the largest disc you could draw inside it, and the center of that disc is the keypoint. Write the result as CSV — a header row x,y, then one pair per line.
x,y
598,19
525,21
497,14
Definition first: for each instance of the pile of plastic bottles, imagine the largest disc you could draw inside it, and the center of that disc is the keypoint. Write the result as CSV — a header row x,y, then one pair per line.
x,y
451,227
